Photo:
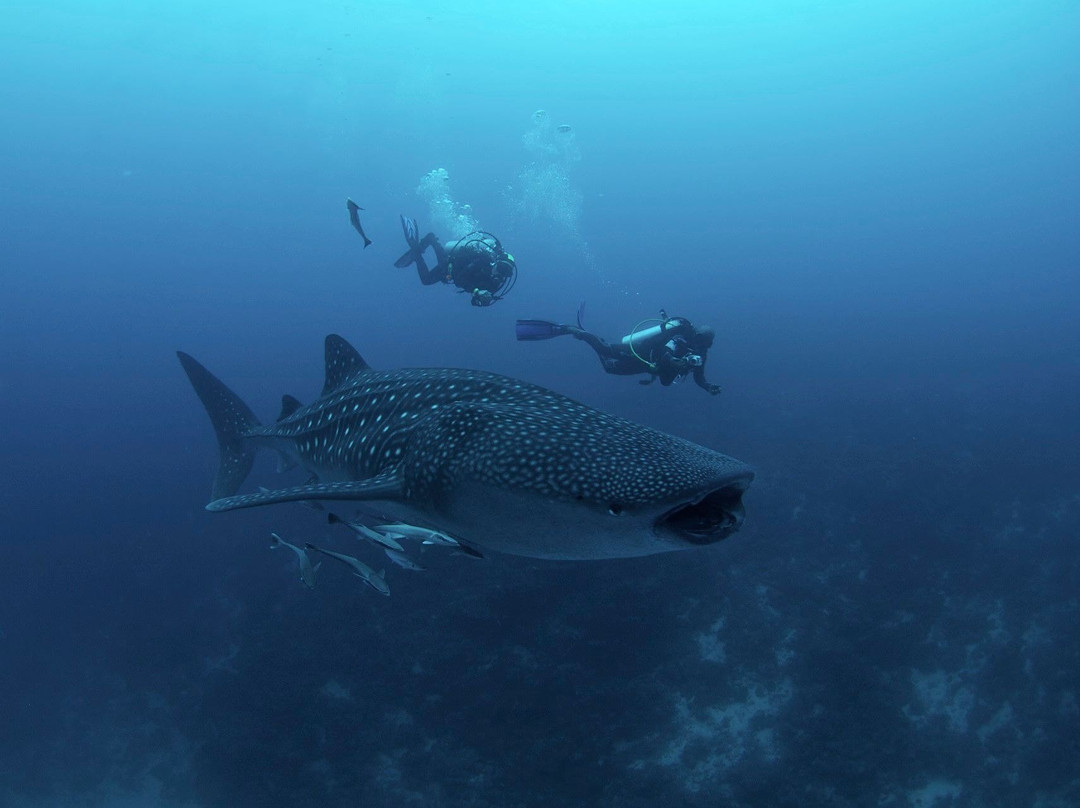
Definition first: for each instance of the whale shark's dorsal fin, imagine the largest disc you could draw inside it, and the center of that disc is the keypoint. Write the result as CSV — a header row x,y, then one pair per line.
x,y
289,405
342,363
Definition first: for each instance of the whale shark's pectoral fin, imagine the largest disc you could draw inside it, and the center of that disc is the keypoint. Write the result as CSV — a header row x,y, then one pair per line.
x,y
383,486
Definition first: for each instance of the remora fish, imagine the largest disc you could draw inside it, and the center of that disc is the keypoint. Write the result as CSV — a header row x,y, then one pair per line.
x,y
376,580
424,534
307,572
497,462
364,532
402,560
354,218
428,536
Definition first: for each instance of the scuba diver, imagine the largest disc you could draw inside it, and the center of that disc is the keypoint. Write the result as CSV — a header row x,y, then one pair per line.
x,y
669,351
476,264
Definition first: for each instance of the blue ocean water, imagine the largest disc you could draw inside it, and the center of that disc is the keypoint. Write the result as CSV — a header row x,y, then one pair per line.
x,y
876,206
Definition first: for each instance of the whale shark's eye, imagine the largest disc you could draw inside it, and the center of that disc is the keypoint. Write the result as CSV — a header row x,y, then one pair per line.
x,y
614,509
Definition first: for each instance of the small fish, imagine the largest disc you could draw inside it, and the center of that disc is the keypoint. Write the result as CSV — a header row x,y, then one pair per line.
x,y
424,534
376,580
365,532
402,560
307,572
354,217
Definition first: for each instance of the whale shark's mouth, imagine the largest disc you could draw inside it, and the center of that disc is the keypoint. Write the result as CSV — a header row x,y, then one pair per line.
x,y
710,518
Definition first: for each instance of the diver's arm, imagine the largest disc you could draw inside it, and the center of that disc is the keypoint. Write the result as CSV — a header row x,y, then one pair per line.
x,y
699,379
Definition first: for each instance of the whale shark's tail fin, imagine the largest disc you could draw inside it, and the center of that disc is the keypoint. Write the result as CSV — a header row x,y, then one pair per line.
x,y
233,420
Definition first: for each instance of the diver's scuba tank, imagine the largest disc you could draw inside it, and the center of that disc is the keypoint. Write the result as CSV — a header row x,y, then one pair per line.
x,y
645,339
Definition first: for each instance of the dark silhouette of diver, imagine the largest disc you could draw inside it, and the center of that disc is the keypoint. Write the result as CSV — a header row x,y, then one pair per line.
x,y
476,263
670,350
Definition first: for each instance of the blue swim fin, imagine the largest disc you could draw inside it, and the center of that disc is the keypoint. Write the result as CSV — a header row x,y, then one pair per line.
x,y
527,330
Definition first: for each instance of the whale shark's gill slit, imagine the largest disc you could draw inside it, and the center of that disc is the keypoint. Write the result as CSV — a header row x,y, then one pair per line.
x,y
711,518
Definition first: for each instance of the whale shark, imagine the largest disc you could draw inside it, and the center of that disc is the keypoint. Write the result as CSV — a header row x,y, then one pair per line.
x,y
493,462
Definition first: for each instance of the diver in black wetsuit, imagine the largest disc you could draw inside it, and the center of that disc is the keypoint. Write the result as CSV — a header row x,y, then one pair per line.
x,y
672,350
477,263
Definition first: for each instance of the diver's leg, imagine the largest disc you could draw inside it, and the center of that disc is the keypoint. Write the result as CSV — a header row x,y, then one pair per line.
x,y
602,348
438,272
441,261
624,363
608,355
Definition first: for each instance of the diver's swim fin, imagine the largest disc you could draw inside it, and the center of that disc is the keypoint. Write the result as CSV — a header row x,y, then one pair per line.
x,y
408,258
538,329
412,234
581,316
412,238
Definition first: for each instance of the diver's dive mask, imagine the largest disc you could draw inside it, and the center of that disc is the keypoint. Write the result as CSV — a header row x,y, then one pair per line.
x,y
503,265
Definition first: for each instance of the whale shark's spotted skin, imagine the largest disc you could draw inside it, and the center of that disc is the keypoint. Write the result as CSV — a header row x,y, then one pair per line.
x,y
490,460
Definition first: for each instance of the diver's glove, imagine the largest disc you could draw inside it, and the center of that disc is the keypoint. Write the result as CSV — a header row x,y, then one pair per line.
x,y
482,297
714,389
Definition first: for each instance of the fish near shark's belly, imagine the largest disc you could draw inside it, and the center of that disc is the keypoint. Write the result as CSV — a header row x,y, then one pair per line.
x,y
524,523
